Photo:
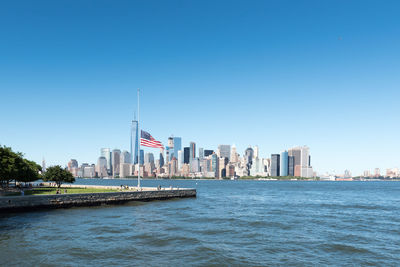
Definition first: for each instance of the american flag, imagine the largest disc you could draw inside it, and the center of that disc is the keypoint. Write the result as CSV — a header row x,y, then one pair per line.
x,y
147,140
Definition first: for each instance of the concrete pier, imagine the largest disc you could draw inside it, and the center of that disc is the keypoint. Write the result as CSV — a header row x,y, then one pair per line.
x,y
29,203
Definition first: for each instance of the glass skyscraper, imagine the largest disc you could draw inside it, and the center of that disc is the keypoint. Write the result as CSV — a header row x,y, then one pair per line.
x,y
106,152
186,155
201,153
177,146
275,162
225,151
141,156
192,147
284,165
208,152
291,166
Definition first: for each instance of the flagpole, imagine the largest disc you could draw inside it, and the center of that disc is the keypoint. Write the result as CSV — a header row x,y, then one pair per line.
x,y
140,134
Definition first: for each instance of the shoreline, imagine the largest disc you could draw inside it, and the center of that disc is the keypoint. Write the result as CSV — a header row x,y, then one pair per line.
x,y
55,201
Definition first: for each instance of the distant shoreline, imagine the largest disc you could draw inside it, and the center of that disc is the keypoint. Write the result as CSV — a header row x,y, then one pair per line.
x,y
271,179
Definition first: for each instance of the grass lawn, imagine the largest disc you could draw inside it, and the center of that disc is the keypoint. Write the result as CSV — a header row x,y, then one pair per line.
x,y
53,191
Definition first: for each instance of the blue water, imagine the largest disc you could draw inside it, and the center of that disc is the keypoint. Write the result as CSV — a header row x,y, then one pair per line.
x,y
230,223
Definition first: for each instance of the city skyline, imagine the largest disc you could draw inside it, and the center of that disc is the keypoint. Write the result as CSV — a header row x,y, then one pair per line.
x,y
224,162
219,73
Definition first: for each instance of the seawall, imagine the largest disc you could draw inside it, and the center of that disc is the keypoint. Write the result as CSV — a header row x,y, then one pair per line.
x,y
29,203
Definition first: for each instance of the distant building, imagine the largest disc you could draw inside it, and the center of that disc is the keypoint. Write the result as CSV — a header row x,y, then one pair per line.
x,y
148,158
221,164
275,164
208,152
173,167
215,164
284,164
302,160
290,165
125,157
186,155
201,153
177,145
258,168
297,170
73,167
180,160
89,172
115,159
73,163
195,165
106,152
192,147
102,167
141,157
125,170
161,159
248,156
224,151
367,173
170,149
234,155
256,152
43,165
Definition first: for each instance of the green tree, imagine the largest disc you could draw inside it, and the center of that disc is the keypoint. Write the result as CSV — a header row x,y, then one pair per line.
x,y
9,163
28,171
14,167
58,175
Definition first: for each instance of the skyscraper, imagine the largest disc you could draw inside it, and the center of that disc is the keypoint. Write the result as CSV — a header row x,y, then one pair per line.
x,y
192,147
161,159
73,163
224,151
170,149
177,146
106,152
149,158
234,155
134,141
304,160
275,164
141,156
284,164
249,153
186,155
115,159
125,157
101,167
296,153
306,170
208,152
180,160
201,153
290,165
195,165
256,152
214,164
43,165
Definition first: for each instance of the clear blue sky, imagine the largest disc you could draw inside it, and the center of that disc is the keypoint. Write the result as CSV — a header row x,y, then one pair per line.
x,y
270,73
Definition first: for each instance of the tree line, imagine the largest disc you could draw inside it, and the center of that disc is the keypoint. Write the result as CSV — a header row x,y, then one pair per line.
x,y
14,167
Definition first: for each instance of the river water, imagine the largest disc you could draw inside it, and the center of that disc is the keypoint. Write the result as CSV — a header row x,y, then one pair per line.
x,y
230,223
